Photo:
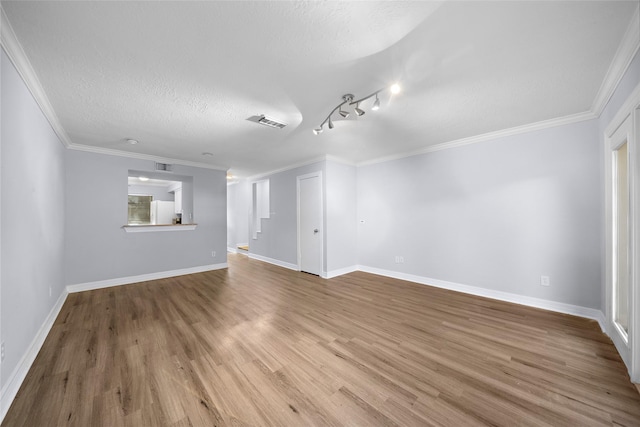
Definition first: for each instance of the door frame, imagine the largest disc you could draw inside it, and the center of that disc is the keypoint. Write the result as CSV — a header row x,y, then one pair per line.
x,y
299,178
629,116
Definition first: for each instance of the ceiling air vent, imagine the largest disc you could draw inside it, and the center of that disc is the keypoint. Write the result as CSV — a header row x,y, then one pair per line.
x,y
164,167
267,121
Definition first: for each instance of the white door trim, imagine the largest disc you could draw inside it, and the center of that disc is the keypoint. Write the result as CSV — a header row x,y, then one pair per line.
x,y
624,126
299,178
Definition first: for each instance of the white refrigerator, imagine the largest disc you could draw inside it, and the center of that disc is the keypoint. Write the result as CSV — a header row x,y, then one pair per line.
x,y
162,212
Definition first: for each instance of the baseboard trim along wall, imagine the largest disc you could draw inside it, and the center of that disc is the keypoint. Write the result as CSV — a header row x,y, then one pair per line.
x,y
142,278
576,310
16,378
560,307
232,250
18,375
274,261
339,272
14,382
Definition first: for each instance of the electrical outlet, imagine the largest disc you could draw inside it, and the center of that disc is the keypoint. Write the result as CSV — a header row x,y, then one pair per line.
x,y
50,292
2,352
213,254
544,281
399,259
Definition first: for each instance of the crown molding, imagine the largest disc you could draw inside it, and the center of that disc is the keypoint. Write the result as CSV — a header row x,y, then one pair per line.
x,y
545,124
632,103
327,157
336,159
625,53
18,57
141,156
622,59
287,168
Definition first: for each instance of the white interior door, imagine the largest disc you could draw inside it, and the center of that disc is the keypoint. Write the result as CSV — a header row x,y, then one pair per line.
x,y
310,220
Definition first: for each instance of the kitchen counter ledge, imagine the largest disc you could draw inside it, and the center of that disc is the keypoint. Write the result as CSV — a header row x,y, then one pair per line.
x,y
145,228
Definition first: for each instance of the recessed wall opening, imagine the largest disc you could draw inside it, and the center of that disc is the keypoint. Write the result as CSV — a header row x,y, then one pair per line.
x,y
157,199
260,205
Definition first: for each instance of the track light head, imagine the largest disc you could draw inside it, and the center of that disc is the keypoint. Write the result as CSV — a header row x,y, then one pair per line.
x,y
317,131
330,123
358,111
376,104
343,113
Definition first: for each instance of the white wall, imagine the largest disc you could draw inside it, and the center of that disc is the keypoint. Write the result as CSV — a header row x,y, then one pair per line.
x,y
61,214
232,198
243,192
238,198
97,248
495,215
341,231
32,218
279,237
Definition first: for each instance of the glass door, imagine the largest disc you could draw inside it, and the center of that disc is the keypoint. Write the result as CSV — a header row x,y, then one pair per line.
x,y
621,240
619,261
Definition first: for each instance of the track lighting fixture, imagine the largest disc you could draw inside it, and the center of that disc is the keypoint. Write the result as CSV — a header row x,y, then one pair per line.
x,y
345,100
376,104
349,99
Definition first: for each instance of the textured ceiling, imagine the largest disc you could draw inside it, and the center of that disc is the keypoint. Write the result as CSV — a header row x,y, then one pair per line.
x,y
182,77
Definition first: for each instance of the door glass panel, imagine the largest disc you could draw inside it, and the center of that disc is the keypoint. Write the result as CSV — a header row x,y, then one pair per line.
x,y
621,233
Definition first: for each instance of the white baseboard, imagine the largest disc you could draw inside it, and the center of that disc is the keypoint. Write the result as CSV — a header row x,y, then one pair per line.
x,y
576,310
602,320
589,313
339,272
232,250
142,278
18,375
274,261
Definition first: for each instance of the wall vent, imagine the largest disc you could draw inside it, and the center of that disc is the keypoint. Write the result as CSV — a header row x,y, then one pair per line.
x,y
165,167
267,121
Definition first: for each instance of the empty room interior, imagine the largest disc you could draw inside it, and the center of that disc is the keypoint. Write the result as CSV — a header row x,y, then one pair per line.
x,y
320,213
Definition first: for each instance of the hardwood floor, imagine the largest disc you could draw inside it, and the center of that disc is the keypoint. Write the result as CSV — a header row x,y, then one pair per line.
x,y
260,345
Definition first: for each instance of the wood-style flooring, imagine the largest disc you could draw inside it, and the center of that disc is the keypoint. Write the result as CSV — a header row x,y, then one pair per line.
x,y
259,345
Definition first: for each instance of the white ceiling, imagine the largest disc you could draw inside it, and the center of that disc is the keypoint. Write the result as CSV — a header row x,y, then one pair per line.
x,y
182,77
